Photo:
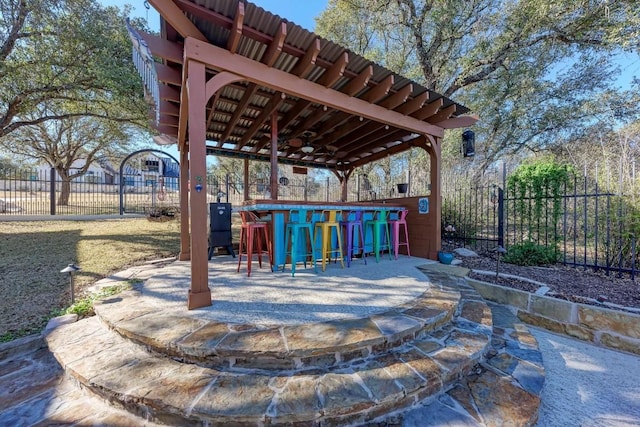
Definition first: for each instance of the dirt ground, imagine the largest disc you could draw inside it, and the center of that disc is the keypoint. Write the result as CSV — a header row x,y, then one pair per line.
x,y
570,283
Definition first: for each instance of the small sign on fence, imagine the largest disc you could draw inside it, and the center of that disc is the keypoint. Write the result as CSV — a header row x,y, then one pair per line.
x,y
300,171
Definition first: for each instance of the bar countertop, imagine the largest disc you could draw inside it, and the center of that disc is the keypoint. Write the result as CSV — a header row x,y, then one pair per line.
x,y
283,205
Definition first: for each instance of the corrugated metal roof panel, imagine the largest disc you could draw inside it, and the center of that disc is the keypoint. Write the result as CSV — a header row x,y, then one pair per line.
x,y
214,20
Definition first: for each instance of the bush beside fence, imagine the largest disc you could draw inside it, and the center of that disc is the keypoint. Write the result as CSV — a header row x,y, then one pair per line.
x,y
589,226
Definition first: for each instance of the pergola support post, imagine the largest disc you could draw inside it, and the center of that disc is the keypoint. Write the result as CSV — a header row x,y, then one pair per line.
x,y
436,197
199,293
199,91
343,177
274,155
185,251
245,177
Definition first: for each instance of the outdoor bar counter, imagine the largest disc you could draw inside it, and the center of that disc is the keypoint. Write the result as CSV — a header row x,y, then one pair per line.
x,y
277,212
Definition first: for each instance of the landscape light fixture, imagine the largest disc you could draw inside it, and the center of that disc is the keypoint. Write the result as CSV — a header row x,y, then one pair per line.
x,y
499,250
71,268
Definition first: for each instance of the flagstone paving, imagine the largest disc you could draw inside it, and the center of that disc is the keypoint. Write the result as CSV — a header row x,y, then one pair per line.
x,y
437,356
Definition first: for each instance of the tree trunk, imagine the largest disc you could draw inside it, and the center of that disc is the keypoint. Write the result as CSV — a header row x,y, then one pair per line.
x,y
65,192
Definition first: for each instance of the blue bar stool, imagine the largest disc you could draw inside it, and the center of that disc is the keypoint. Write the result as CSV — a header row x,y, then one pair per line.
x,y
326,225
295,232
353,224
379,226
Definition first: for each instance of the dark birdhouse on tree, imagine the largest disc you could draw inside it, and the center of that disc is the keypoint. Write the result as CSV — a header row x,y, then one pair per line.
x,y
468,143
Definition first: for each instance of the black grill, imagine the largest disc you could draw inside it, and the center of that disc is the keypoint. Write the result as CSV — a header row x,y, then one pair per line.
x,y
220,227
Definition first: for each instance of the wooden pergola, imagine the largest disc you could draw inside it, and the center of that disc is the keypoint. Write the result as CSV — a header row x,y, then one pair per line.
x,y
236,80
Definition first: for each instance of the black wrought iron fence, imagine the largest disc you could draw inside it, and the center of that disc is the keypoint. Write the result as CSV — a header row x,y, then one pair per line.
x,y
473,216
307,188
40,192
589,226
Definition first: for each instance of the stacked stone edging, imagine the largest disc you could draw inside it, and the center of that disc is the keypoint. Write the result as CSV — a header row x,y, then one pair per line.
x,y
614,329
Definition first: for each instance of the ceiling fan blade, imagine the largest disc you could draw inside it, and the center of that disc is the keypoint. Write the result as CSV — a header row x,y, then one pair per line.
x,y
295,142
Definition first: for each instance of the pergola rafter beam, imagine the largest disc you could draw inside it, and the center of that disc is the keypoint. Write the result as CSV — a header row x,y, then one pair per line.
x,y
236,29
176,18
414,104
373,140
168,74
358,83
428,110
333,73
388,152
275,47
379,91
363,131
162,48
242,105
443,114
271,106
168,93
397,98
306,63
220,59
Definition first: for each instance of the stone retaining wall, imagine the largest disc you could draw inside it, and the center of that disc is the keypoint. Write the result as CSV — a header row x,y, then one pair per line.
x,y
602,326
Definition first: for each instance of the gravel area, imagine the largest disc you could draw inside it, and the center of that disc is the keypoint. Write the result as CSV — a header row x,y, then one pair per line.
x,y
570,283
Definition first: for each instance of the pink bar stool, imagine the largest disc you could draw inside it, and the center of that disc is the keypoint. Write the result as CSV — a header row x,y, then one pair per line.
x,y
251,234
396,224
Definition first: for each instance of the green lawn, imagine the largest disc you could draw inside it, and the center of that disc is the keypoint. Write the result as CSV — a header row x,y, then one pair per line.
x,y
33,253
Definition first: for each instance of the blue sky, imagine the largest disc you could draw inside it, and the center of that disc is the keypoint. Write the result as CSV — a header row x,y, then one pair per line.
x,y
301,12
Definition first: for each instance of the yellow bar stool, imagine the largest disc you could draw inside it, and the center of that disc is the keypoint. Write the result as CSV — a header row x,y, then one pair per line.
x,y
324,228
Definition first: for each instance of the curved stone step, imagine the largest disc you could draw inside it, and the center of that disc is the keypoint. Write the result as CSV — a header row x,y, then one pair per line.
x,y
354,392
503,390
306,346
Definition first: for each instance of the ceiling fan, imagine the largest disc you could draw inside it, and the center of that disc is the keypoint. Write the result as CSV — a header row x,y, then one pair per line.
x,y
304,143
307,147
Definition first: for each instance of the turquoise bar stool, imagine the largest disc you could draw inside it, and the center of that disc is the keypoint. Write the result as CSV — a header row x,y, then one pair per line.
x,y
295,233
324,228
252,233
351,225
400,222
379,226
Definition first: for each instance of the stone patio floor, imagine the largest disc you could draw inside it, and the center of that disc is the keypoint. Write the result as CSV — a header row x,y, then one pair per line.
x,y
585,385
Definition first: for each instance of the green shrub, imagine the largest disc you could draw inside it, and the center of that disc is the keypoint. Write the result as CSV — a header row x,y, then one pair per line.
x,y
530,253
84,306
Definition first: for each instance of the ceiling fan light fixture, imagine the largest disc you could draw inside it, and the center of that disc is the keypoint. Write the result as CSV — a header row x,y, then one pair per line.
x,y
307,148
